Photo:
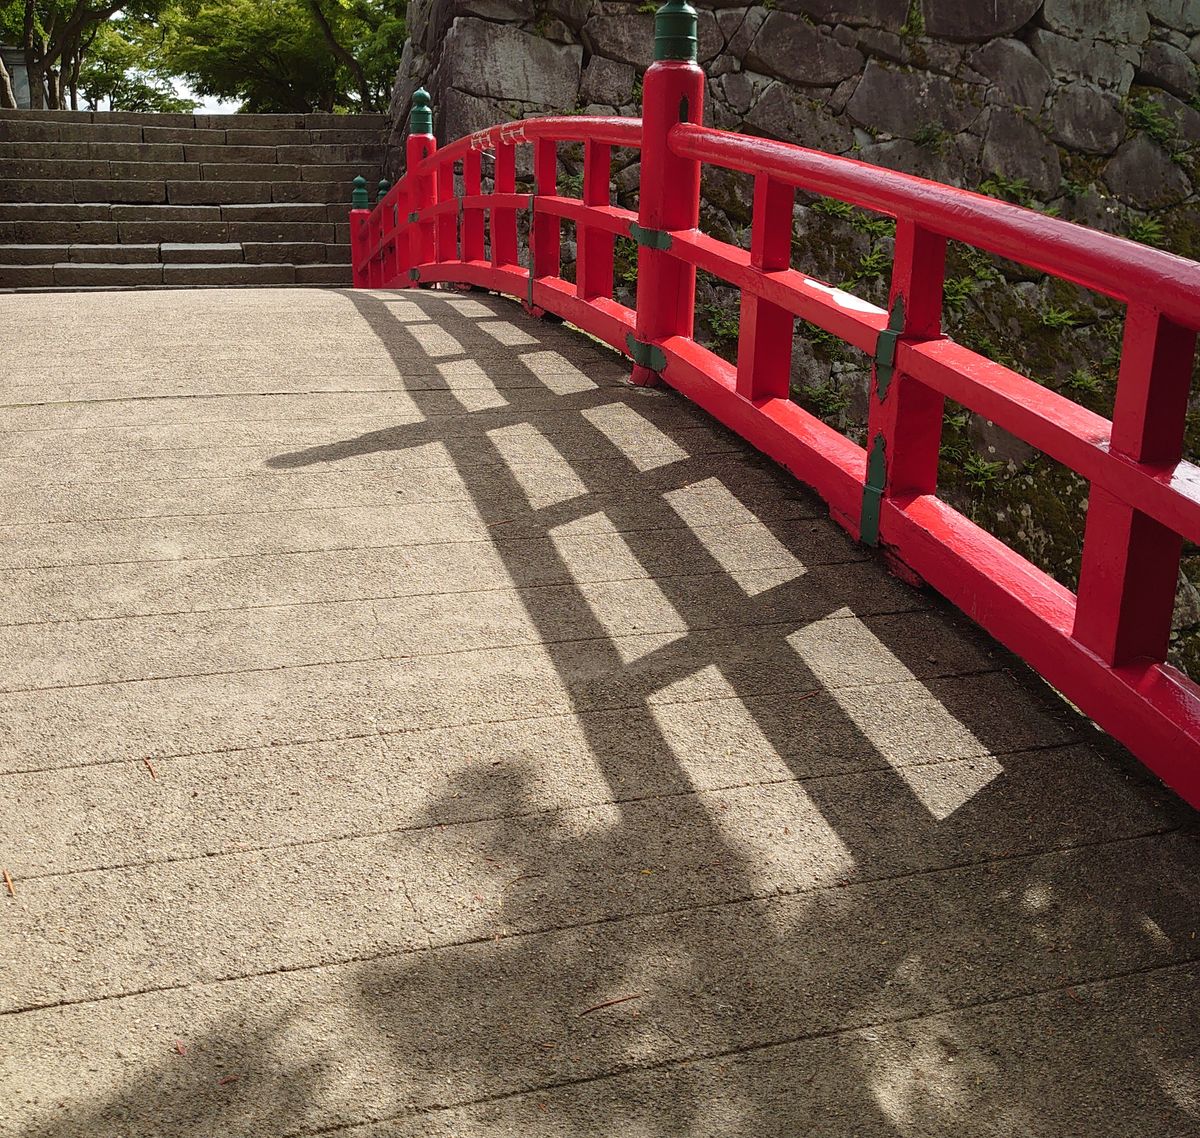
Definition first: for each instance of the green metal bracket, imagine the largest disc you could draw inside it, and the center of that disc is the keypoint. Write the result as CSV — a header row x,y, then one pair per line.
x,y
414,217
359,199
647,355
675,31
420,117
885,349
414,274
651,238
395,214
873,492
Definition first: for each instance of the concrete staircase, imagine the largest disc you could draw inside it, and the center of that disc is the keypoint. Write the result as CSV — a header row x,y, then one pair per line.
x,y
118,200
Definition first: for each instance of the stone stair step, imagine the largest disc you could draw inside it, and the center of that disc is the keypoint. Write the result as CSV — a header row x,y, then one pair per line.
x,y
328,274
21,130
293,252
166,212
314,120
92,254
218,193
26,276
134,192
22,168
286,211
180,274
225,231
54,211
100,151
110,254
155,232
66,130
28,115
326,193
11,255
310,155
72,273
205,253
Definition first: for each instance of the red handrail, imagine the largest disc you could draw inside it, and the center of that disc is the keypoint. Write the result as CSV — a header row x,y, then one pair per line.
x,y
1104,647
1099,261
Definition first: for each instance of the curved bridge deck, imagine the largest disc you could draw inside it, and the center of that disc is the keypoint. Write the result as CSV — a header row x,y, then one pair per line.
x,y
409,729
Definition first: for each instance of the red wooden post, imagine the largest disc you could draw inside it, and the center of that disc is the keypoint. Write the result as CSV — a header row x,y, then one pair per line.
x,y
765,339
1130,561
904,423
359,214
472,223
422,189
447,227
672,92
374,242
594,261
504,218
545,233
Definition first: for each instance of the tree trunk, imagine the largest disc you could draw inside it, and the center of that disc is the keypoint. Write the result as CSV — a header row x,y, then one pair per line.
x,y
8,99
364,88
33,63
76,62
53,99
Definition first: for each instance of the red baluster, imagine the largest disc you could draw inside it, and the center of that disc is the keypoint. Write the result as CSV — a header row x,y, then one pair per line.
x,y
594,263
1131,562
447,226
504,218
546,231
472,223
904,423
765,338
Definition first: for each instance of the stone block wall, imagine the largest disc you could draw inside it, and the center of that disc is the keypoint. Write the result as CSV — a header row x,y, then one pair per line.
x,y
1089,109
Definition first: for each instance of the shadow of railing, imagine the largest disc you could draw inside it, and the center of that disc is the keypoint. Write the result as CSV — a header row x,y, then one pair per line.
x,y
849,862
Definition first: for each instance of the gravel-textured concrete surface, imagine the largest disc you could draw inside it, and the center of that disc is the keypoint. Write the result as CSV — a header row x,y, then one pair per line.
x,y
408,729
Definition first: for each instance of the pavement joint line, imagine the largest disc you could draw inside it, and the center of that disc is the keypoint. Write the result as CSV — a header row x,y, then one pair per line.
x,y
540,642
570,582
322,468
543,716
616,385
525,934
662,796
516,417
574,404
493,542
625,1070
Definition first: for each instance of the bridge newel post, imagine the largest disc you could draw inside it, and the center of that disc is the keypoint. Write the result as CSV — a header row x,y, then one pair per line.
x,y
669,198
360,211
421,190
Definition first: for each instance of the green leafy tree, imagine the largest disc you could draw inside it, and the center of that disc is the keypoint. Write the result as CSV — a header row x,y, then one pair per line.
x,y
121,69
287,55
56,35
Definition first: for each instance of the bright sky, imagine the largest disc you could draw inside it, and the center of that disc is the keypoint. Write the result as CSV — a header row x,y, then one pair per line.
x,y
208,104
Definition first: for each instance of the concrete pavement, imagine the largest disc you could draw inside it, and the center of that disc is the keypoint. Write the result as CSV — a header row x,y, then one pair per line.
x,y
409,729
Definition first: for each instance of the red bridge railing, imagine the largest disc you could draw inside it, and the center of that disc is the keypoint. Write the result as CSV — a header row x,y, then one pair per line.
x,y
1104,647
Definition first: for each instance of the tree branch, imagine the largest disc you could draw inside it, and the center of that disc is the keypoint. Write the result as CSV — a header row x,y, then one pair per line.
x,y
341,53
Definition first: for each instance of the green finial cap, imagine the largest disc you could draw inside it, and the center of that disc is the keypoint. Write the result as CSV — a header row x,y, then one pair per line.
x,y
420,118
675,31
359,199
384,186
